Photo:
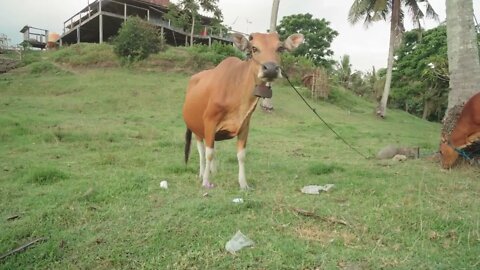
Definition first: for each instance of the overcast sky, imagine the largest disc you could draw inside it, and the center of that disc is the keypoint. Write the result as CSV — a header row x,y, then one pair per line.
x,y
367,47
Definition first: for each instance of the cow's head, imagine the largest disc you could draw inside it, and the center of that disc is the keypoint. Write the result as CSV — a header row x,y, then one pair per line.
x,y
448,155
265,49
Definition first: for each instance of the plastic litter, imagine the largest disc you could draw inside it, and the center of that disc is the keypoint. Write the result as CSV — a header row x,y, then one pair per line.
x,y
237,200
238,241
164,184
314,189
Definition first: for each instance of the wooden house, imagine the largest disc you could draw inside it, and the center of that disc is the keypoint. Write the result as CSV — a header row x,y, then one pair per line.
x,y
101,20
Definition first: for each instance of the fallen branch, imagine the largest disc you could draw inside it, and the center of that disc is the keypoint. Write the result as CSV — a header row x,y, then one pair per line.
x,y
23,247
13,217
312,214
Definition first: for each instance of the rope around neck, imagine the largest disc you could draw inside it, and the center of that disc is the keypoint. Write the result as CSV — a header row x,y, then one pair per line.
x,y
319,117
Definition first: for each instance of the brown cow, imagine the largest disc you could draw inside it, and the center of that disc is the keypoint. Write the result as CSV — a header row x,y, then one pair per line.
x,y
219,102
466,131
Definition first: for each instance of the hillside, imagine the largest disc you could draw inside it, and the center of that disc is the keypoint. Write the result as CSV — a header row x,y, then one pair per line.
x,y
84,149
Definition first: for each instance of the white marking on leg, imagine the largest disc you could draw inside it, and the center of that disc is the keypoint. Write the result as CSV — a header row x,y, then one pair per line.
x,y
201,154
209,155
213,164
241,169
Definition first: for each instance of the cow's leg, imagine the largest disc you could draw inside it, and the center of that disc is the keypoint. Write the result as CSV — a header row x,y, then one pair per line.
x,y
201,154
209,151
241,154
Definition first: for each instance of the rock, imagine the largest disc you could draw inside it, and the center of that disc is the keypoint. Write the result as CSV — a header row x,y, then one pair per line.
x,y
399,158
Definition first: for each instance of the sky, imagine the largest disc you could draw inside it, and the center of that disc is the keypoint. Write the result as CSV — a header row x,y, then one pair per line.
x,y
367,47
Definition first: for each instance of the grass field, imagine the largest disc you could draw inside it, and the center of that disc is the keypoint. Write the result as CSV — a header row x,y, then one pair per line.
x,y
82,155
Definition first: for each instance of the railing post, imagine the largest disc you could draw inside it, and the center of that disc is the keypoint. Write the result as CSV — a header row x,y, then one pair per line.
x,y
100,23
125,12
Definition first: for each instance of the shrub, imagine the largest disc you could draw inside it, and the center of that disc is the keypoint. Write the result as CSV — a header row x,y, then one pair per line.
x,y
213,54
136,40
296,67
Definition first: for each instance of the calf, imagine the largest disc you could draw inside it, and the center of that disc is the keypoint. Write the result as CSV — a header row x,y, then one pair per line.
x,y
219,102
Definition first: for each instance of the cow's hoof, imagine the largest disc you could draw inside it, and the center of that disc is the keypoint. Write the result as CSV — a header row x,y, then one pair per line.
x,y
208,185
247,188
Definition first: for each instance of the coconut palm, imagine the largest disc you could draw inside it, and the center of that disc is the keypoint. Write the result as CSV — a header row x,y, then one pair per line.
x,y
375,10
463,61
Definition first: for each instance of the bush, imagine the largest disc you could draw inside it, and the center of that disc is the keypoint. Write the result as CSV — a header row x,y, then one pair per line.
x,y
214,54
296,67
136,40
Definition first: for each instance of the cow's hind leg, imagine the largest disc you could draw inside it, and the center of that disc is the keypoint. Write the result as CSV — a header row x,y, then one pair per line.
x,y
201,154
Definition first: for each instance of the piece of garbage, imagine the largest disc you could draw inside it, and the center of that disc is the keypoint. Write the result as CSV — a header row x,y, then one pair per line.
x,y
237,200
205,194
238,241
314,189
164,184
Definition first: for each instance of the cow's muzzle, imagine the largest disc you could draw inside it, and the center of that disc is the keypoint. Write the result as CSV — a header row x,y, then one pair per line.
x,y
270,71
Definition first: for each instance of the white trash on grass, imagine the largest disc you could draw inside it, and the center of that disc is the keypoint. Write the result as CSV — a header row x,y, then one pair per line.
x,y
238,241
315,189
237,200
164,184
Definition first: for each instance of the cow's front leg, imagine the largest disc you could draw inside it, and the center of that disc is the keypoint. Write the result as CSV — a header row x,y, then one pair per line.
x,y
241,155
209,152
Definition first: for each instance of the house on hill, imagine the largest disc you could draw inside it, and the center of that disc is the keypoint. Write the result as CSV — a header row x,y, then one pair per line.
x,y
100,20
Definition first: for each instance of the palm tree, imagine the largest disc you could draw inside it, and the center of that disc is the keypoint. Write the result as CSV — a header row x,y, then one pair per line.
x,y
267,102
463,61
344,70
375,10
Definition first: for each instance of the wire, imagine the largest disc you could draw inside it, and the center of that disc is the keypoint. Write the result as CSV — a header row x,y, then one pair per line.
x,y
319,117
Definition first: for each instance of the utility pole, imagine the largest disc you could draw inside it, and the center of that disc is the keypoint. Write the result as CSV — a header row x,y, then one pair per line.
x,y
267,104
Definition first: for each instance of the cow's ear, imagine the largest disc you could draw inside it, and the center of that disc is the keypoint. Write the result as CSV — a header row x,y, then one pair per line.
x,y
240,41
293,41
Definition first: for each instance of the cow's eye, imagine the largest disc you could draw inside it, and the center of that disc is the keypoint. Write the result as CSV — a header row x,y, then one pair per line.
x,y
281,49
254,49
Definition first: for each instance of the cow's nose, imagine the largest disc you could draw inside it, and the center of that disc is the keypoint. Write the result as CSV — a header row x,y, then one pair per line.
x,y
270,70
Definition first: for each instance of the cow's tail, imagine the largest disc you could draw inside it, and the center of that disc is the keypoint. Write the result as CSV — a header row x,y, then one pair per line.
x,y
188,140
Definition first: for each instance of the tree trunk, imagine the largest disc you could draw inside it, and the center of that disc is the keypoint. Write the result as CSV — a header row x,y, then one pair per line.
x,y
394,33
192,30
463,61
267,103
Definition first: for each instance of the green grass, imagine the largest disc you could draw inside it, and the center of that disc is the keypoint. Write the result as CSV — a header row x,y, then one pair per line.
x,y
82,156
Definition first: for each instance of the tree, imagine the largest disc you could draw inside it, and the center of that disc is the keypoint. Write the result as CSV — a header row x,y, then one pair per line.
x,y
420,75
375,10
187,11
137,39
318,37
344,71
464,66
